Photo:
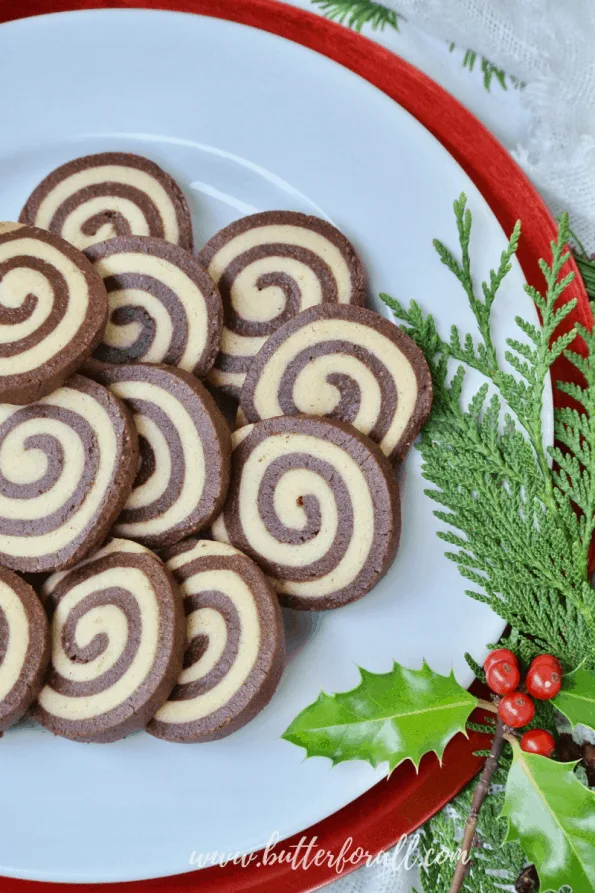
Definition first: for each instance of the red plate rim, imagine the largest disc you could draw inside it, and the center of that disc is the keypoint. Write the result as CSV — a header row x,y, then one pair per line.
x,y
378,819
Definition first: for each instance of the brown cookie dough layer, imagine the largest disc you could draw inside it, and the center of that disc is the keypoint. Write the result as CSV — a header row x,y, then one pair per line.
x,y
316,505
97,197
185,450
235,647
118,635
345,363
53,310
24,647
67,464
268,268
164,307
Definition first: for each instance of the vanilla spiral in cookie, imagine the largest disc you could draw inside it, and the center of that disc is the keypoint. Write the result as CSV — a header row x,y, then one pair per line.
x,y
67,464
24,647
117,625
53,308
163,306
268,267
316,505
234,643
110,194
185,449
345,363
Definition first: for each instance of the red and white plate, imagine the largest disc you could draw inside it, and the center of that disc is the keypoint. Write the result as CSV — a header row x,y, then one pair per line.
x,y
252,105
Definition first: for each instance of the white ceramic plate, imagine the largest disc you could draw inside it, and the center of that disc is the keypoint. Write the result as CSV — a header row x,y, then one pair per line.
x,y
245,121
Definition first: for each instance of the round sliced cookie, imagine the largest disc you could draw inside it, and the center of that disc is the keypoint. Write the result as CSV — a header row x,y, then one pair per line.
x,y
24,647
268,267
345,363
163,306
316,505
185,450
235,644
97,197
53,310
118,636
67,464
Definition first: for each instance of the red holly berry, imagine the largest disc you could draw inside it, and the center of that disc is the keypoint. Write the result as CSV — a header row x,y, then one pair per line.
x,y
543,681
503,677
538,741
516,709
547,659
499,654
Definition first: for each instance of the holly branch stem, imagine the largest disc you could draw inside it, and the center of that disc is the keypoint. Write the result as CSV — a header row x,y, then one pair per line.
x,y
487,705
479,796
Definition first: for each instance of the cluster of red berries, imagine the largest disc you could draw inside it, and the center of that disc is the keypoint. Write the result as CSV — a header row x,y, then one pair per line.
x,y
516,708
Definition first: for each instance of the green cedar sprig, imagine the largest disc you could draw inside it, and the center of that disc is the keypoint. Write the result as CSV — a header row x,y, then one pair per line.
x,y
520,530
357,13
488,69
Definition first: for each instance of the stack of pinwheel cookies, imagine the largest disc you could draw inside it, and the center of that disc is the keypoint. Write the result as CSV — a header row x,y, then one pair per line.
x,y
145,548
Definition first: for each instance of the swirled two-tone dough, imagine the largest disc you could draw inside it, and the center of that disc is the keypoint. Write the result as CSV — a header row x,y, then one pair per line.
x,y
67,464
97,197
345,363
24,647
163,306
53,309
117,624
185,449
316,505
268,267
234,643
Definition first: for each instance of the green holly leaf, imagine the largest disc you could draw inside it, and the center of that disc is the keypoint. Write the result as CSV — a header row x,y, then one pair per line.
x,y
552,815
576,700
388,717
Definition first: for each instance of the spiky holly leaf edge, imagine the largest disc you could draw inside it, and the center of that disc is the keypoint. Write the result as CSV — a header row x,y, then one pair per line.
x,y
292,737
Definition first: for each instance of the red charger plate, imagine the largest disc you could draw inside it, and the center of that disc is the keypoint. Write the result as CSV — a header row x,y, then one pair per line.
x,y
378,819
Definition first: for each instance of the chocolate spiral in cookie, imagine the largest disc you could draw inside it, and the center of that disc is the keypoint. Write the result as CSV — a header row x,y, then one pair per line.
x,y
164,307
344,363
117,623
235,645
269,267
24,647
111,194
53,309
185,450
316,505
67,464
